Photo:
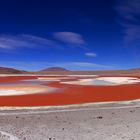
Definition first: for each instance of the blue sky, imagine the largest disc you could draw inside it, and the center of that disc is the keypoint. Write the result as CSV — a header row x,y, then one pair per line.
x,y
77,35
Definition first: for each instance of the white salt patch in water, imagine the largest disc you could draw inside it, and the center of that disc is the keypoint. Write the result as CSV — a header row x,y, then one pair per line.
x,y
67,77
13,91
52,78
105,81
49,79
120,80
5,92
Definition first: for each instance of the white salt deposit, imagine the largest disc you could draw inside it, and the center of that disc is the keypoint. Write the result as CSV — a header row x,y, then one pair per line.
x,y
52,78
119,80
22,90
105,81
4,92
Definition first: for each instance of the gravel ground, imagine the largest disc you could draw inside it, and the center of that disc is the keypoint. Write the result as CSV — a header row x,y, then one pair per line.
x,y
80,123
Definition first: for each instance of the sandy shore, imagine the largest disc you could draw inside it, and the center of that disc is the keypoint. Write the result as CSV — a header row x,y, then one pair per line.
x,y
86,122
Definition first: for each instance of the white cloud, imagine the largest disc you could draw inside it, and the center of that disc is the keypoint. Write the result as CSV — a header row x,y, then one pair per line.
x,y
128,17
38,40
9,42
69,37
91,54
88,64
23,40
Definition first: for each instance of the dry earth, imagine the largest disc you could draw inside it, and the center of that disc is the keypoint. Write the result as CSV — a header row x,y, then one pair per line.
x,y
75,123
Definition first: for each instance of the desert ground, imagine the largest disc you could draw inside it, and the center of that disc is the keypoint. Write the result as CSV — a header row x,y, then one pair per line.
x,y
90,122
69,107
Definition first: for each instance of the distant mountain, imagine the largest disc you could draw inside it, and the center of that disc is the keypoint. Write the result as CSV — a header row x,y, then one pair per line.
x,y
135,69
54,69
5,70
63,71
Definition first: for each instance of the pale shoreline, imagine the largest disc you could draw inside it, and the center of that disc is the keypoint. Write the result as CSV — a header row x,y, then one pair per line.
x,y
94,106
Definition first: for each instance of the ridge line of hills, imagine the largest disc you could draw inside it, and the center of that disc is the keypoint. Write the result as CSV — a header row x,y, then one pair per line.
x,y
63,71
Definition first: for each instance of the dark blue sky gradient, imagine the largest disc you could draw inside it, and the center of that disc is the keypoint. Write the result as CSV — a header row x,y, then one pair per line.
x,y
100,27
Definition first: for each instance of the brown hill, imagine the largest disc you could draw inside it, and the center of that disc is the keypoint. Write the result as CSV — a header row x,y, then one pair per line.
x,y
63,71
135,69
101,72
5,70
54,69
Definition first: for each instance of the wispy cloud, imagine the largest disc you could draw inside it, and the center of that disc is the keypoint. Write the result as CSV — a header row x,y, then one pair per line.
x,y
39,40
38,65
87,65
70,38
91,54
129,17
23,40
10,42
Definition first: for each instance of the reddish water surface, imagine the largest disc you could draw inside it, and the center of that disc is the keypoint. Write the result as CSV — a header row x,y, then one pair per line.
x,y
69,94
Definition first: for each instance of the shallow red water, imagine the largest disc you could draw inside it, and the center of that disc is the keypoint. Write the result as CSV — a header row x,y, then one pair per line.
x,y
70,94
